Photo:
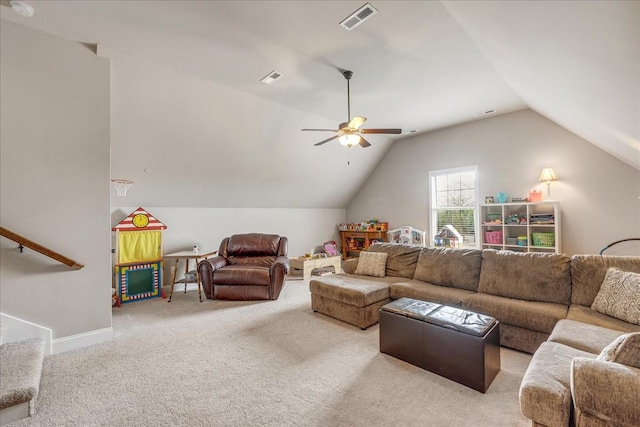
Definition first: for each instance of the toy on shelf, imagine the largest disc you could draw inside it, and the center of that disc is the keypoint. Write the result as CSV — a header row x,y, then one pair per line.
x,y
371,225
407,235
448,237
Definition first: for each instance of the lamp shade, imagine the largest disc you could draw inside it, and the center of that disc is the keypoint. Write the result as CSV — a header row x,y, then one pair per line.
x,y
547,175
349,139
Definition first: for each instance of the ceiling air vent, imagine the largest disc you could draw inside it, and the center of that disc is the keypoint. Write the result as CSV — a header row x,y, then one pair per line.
x,y
358,17
484,113
271,77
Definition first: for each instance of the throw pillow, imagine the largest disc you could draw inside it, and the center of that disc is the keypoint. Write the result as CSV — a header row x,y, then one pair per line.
x,y
619,296
372,264
625,350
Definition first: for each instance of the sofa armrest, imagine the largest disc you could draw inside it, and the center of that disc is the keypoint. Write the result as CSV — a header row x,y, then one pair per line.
x,y
606,391
350,265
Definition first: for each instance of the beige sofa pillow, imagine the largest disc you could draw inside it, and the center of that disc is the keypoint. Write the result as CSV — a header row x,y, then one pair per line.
x,y
619,296
372,264
625,350
402,259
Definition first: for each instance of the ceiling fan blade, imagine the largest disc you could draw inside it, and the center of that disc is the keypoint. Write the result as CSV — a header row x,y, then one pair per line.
x,y
326,140
323,130
387,131
364,143
356,122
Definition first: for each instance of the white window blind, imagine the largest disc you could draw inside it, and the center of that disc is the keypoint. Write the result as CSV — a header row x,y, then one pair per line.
x,y
454,201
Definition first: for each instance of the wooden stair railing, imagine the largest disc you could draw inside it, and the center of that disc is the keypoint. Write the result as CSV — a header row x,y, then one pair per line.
x,y
23,241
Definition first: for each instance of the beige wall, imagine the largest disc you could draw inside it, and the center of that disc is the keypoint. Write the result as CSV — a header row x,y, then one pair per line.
x,y
55,181
206,227
598,194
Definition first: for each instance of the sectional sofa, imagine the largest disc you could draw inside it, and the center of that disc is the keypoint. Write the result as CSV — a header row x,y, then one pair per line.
x,y
543,302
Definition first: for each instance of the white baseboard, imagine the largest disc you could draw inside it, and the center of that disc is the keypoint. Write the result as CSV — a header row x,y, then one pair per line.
x,y
72,342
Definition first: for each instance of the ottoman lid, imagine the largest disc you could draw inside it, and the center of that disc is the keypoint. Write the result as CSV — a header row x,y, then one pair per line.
x,y
454,318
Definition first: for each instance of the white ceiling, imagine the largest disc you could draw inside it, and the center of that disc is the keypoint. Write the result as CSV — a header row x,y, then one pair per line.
x,y
418,65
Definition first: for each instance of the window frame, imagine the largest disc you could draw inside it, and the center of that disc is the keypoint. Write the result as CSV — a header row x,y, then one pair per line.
x,y
433,223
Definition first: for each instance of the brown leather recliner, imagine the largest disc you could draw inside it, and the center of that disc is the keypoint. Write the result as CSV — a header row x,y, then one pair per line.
x,y
248,267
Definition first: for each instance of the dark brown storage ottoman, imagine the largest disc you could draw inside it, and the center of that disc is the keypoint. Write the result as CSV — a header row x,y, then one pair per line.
x,y
458,344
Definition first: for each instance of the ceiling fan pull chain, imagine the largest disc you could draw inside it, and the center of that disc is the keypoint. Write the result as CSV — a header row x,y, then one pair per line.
x,y
348,151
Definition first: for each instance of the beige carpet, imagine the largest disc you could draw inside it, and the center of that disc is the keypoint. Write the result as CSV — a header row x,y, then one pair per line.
x,y
277,363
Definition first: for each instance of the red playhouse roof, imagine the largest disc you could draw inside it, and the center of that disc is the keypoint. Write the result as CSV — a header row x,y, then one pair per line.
x,y
139,220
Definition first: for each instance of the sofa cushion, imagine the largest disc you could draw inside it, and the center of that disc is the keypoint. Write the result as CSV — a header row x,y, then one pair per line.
x,y
456,268
253,244
625,349
521,339
588,271
545,396
360,291
536,316
586,315
619,296
372,264
242,274
583,336
417,289
402,258
532,276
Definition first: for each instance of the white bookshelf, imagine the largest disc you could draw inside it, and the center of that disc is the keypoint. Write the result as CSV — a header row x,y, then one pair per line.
x,y
535,217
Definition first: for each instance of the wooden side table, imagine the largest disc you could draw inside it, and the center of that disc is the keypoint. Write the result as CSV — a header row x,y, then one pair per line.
x,y
186,256
308,264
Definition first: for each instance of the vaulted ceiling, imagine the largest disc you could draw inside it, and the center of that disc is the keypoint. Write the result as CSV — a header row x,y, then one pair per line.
x,y
418,65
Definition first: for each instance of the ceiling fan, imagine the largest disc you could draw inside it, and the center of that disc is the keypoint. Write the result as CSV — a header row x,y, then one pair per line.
x,y
349,132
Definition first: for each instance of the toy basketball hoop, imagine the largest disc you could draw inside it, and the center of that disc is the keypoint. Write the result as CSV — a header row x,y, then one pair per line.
x,y
121,186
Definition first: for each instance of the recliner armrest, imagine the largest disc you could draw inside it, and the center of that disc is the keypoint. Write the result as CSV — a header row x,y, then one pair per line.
x,y
280,262
215,263
206,268
605,390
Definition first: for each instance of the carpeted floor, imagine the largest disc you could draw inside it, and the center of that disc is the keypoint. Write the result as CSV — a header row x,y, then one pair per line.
x,y
276,363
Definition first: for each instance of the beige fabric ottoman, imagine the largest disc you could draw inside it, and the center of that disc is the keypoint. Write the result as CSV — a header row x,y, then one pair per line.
x,y
351,298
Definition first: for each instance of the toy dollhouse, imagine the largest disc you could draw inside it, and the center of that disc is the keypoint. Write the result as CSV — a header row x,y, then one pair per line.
x,y
407,235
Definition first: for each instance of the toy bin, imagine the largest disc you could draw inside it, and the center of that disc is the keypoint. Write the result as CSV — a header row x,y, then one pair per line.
x,y
543,239
493,237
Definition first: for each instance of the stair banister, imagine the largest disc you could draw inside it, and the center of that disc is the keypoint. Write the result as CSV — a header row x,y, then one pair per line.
x,y
23,241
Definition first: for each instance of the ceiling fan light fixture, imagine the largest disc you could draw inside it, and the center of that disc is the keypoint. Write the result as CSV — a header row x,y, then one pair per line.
x,y
349,139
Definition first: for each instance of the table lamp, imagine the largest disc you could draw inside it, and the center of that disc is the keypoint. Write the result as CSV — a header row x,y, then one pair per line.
x,y
548,175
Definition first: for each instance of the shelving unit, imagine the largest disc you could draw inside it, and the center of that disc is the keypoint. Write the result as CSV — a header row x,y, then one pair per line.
x,y
354,242
512,226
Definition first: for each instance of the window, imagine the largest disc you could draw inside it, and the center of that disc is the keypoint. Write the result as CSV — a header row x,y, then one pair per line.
x,y
454,202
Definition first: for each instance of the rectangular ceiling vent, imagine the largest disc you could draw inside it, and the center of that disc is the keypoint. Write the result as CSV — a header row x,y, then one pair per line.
x,y
484,113
271,77
358,17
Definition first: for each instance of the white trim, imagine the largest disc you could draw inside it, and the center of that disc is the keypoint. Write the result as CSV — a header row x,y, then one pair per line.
x,y
432,195
15,329
72,342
